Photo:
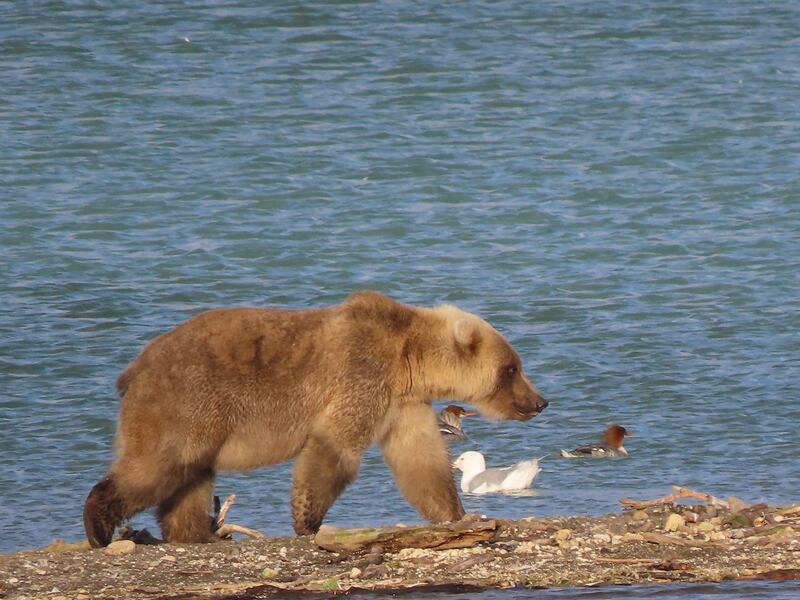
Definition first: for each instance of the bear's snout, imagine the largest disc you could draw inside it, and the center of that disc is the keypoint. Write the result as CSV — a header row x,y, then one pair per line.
x,y
527,408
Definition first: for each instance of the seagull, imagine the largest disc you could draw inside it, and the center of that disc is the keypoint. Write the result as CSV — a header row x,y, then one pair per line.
x,y
449,421
610,444
477,479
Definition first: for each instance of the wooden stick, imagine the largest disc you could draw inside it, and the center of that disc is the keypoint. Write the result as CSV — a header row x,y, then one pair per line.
x,y
227,530
626,561
646,503
223,511
689,493
660,538
790,510
680,492
224,531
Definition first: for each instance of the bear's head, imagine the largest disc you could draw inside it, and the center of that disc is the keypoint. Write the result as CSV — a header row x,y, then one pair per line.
x,y
489,370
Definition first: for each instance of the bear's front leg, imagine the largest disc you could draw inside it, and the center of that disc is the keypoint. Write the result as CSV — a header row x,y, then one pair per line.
x,y
321,472
418,457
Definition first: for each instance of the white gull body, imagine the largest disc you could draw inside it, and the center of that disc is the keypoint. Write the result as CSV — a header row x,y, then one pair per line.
x,y
477,479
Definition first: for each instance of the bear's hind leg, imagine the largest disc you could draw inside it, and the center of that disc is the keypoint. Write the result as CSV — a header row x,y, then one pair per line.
x,y
113,500
103,511
184,517
321,473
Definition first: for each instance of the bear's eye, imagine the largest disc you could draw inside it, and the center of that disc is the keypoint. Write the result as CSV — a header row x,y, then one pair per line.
x,y
511,371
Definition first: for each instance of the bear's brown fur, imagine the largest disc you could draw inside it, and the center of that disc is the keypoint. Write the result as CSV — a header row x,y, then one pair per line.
x,y
239,388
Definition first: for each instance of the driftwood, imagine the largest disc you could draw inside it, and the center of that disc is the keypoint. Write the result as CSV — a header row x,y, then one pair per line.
x,y
391,539
774,574
790,511
225,531
660,538
680,492
222,530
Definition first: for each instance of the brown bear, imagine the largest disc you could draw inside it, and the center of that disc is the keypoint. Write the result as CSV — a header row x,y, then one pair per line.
x,y
240,388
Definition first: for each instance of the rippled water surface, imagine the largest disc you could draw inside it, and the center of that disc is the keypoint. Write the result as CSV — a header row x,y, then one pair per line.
x,y
753,590
613,185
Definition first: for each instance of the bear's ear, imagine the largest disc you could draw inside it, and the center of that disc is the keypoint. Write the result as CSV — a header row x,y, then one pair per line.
x,y
467,334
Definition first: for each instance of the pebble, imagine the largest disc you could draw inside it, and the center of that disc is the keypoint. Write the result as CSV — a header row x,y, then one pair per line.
x,y
782,531
283,551
566,545
169,558
602,537
406,553
119,548
269,573
355,573
674,522
526,547
639,515
705,527
373,571
736,505
691,516
562,534
739,521
736,534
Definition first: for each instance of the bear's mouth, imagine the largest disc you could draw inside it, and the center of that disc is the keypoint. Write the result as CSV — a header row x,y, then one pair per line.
x,y
526,416
524,412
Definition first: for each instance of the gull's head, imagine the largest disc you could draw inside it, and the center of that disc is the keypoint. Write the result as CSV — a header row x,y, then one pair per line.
x,y
470,462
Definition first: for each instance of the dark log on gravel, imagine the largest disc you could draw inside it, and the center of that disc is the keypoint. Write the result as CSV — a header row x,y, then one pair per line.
x,y
391,539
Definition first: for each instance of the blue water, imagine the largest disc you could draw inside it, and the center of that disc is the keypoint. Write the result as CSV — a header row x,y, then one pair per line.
x,y
753,590
613,185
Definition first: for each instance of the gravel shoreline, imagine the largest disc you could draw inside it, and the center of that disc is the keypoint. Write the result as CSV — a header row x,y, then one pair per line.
x,y
662,543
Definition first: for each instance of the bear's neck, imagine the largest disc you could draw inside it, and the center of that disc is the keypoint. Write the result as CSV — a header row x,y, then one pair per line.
x,y
428,355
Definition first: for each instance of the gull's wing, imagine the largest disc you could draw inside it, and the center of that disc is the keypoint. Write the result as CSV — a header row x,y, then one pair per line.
x,y
515,477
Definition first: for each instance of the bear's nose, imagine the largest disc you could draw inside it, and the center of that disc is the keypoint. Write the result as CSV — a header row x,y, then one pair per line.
x,y
540,404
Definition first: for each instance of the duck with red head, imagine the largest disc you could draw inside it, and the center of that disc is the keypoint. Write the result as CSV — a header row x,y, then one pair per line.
x,y
449,422
611,444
